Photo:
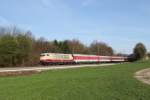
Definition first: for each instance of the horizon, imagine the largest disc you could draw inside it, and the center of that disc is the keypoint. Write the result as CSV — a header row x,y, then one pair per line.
x,y
120,24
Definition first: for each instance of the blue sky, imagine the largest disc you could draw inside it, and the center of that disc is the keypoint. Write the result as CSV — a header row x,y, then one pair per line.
x,y
119,23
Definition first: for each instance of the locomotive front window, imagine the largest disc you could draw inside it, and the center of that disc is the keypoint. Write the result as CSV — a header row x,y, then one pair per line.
x,y
42,55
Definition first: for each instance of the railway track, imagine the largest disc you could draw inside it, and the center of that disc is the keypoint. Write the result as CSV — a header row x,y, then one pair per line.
x,y
44,68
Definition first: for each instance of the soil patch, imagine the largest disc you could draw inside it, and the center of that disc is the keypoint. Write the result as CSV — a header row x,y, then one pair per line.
x,y
143,76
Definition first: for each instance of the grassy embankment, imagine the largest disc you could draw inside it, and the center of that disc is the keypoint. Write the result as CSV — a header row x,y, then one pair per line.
x,y
98,83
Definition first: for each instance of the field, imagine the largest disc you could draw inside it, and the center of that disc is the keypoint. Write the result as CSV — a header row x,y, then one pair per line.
x,y
98,83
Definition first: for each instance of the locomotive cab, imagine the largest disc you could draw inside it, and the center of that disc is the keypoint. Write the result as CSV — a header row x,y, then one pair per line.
x,y
55,58
44,58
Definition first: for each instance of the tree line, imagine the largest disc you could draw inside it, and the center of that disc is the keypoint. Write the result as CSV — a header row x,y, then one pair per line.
x,y
21,48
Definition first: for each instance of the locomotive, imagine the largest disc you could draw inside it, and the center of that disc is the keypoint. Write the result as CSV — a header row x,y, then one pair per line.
x,y
60,58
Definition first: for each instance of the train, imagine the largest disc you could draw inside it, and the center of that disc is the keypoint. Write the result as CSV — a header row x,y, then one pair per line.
x,y
62,59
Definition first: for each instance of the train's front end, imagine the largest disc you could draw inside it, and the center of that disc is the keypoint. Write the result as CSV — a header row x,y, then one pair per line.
x,y
44,58
55,58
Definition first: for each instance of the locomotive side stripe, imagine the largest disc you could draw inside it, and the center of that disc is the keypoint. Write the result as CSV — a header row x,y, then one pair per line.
x,y
51,60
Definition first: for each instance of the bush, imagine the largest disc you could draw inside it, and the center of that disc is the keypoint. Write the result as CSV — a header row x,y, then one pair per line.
x,y
140,51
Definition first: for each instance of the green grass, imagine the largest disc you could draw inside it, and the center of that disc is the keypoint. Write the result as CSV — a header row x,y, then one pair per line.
x,y
97,83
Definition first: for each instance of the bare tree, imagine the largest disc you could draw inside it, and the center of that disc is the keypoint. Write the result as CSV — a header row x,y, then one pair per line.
x,y
77,47
100,48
